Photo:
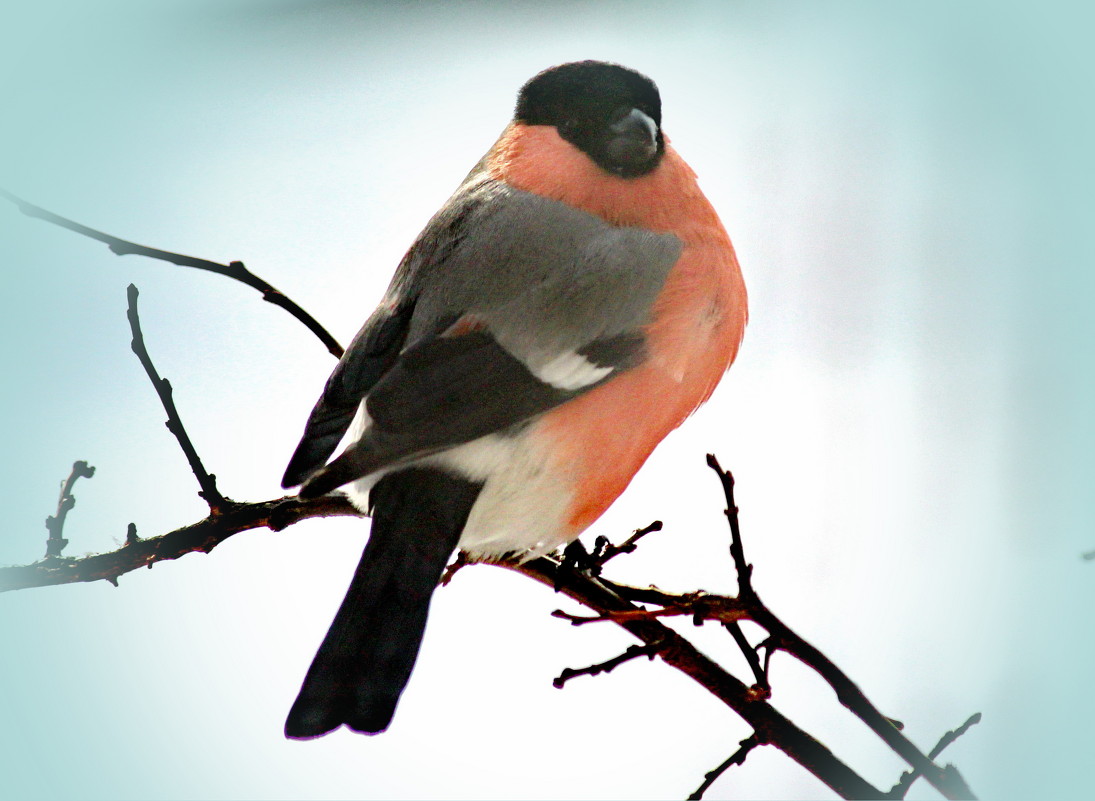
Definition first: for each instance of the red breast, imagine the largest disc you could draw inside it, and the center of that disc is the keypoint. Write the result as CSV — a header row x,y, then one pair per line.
x,y
602,438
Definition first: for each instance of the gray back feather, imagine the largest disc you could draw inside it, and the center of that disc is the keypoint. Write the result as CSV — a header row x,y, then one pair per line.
x,y
544,277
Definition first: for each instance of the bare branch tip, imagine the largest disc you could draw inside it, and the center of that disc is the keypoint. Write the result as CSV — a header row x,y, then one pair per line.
x,y
206,481
634,652
737,758
82,469
949,781
55,523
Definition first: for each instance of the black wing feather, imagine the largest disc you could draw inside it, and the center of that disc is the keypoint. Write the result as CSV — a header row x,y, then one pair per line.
x,y
440,393
373,351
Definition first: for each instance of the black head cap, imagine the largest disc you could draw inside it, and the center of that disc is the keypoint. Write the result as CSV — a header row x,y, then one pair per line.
x,y
611,113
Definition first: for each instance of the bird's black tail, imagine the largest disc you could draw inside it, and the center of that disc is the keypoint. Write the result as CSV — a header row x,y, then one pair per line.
x,y
367,656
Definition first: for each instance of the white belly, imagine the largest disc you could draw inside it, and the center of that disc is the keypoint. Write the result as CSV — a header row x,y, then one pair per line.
x,y
522,508
523,505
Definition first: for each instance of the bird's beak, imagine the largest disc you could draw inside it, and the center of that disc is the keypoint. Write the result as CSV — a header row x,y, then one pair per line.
x,y
634,137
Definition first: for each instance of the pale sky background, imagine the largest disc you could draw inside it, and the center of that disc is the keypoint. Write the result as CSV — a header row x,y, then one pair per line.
x,y
909,190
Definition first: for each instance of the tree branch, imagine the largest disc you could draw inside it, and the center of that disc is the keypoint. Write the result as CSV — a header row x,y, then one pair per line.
x,y
946,780
202,536
55,524
700,606
277,514
633,652
604,550
768,723
760,673
206,481
737,550
736,758
908,777
234,270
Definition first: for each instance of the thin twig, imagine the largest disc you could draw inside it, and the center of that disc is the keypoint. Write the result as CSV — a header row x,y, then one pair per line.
x,y
908,777
760,673
946,780
633,652
604,550
206,534
646,595
737,551
55,524
700,606
769,724
736,758
234,270
202,536
206,481
617,617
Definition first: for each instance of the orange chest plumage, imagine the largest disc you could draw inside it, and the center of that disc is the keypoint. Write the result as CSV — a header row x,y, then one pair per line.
x,y
696,325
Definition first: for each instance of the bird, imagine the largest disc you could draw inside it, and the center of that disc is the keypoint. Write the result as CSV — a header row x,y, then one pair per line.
x,y
571,304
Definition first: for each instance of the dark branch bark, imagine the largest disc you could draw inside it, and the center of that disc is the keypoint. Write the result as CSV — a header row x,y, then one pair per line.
x,y
604,550
234,270
736,758
633,652
676,651
737,550
55,523
595,593
760,673
206,480
202,536
698,605
946,780
907,778
768,723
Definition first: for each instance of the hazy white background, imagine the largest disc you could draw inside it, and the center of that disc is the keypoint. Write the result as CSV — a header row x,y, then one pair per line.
x,y
909,420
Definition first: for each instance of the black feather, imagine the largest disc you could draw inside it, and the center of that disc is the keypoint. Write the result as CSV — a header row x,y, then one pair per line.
x,y
372,352
441,393
366,658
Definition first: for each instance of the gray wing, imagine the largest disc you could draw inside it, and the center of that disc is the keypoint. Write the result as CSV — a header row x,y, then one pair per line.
x,y
543,277
507,305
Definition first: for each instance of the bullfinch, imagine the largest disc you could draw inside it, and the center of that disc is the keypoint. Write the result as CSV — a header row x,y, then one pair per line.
x,y
570,305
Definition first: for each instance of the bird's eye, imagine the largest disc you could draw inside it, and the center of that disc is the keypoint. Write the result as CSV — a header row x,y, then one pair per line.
x,y
567,127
